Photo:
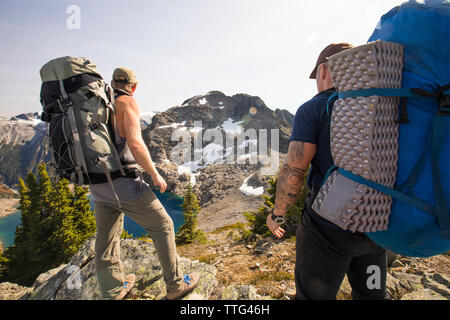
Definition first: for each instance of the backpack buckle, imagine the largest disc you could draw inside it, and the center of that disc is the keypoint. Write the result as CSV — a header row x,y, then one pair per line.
x,y
64,104
94,126
96,161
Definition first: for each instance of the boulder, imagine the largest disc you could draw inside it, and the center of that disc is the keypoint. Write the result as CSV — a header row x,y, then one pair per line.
x,y
77,279
439,283
425,294
241,292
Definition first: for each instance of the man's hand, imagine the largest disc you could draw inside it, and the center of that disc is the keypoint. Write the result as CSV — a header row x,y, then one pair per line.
x,y
159,181
274,227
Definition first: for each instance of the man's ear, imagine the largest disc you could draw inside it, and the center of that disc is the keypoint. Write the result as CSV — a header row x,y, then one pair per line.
x,y
323,71
134,87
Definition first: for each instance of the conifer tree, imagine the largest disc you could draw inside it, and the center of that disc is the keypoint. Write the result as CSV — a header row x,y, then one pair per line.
x,y
3,260
188,232
56,221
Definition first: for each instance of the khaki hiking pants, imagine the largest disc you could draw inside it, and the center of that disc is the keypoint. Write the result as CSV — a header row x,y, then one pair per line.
x,y
148,212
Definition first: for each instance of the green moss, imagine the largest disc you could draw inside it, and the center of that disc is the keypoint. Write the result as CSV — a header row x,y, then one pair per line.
x,y
236,226
267,276
208,259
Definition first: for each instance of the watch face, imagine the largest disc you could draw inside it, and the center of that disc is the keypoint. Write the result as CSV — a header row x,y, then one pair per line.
x,y
280,220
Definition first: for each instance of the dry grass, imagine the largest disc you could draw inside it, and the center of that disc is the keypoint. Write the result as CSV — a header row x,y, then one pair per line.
x,y
238,263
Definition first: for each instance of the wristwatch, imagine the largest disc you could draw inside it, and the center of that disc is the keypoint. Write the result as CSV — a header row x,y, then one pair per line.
x,y
278,219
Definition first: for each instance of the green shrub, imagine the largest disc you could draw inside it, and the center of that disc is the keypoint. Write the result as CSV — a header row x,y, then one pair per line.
x,y
257,219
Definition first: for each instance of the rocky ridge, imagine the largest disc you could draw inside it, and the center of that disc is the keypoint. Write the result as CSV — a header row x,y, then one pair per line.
x,y
230,269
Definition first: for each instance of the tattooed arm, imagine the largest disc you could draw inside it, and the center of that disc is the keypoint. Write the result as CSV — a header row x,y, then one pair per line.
x,y
290,181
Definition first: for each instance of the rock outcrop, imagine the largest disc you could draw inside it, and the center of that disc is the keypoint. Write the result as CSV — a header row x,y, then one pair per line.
x,y
412,279
77,280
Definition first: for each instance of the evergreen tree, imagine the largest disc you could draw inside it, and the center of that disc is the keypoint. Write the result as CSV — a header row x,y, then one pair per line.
x,y
56,221
257,219
188,232
3,261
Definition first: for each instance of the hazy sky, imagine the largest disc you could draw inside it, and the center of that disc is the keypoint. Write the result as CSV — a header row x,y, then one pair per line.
x,y
181,48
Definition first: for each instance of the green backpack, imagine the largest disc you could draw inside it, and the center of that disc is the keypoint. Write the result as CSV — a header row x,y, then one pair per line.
x,y
78,106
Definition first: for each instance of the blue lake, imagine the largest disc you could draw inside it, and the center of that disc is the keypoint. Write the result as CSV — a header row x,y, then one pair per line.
x,y
170,201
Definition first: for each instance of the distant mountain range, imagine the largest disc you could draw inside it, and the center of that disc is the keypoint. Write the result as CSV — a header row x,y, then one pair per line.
x,y
23,143
21,146
215,117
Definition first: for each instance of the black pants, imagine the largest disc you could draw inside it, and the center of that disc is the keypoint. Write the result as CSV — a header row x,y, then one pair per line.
x,y
325,254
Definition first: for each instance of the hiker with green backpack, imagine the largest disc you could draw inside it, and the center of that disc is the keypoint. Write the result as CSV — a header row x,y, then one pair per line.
x,y
95,139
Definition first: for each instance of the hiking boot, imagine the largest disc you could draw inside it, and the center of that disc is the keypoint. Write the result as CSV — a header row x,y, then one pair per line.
x,y
189,283
127,285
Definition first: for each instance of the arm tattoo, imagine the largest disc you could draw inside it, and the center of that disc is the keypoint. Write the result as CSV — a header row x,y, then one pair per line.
x,y
290,181
297,151
289,185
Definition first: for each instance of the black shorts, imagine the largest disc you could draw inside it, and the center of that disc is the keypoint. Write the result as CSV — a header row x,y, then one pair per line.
x,y
325,254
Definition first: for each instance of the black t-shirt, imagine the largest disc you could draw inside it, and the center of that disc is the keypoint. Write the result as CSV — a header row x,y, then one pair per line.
x,y
312,125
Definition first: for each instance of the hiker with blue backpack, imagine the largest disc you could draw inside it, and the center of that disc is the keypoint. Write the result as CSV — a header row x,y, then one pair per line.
x,y
384,185
325,252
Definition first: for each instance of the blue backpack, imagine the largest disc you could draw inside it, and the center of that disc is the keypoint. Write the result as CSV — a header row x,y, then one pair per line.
x,y
419,224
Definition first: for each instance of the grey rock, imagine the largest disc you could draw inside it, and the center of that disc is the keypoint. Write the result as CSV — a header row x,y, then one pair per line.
x,y
47,284
397,264
254,181
438,283
399,284
184,177
138,257
290,293
241,292
425,294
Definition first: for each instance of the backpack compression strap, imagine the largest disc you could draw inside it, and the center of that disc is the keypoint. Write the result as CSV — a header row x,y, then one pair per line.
x,y
433,147
79,155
